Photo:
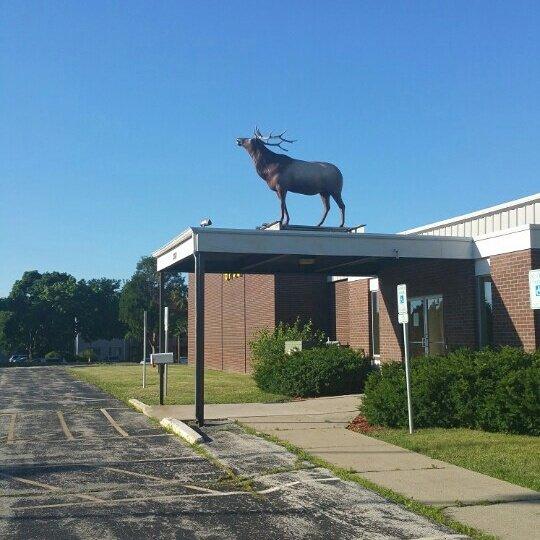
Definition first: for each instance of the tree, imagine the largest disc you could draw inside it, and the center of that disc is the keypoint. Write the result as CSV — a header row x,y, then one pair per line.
x,y
141,292
38,314
98,314
40,308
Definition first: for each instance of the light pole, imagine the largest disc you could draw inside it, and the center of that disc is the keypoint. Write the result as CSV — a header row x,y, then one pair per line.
x,y
76,337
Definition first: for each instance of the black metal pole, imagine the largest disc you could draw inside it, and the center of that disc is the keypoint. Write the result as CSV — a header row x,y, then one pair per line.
x,y
199,338
160,371
160,316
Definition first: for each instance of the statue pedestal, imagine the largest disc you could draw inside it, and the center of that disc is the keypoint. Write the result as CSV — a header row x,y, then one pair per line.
x,y
276,226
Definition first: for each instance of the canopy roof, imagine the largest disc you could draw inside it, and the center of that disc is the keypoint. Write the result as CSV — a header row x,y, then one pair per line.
x,y
303,250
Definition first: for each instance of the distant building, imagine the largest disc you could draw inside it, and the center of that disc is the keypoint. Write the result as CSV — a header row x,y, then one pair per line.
x,y
108,350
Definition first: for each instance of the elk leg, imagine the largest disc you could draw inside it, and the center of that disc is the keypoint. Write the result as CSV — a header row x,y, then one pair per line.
x,y
285,208
341,204
326,207
284,212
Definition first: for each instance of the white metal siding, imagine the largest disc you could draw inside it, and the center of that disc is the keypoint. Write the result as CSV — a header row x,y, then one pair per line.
x,y
513,214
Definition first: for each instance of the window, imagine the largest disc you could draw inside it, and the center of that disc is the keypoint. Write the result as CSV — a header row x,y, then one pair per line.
x,y
375,338
485,292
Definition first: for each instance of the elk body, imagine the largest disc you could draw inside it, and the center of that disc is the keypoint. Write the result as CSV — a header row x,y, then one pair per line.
x,y
284,174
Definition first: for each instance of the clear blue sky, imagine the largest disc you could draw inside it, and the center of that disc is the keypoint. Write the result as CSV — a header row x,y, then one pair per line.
x,y
118,119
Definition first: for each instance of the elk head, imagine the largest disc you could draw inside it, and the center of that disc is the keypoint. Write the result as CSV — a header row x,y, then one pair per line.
x,y
259,140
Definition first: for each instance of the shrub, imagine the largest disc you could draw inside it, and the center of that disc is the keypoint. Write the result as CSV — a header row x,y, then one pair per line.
x,y
89,354
514,406
317,370
385,399
322,371
268,348
487,389
53,355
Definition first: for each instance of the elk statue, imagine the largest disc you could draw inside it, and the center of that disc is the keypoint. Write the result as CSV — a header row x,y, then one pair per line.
x,y
284,174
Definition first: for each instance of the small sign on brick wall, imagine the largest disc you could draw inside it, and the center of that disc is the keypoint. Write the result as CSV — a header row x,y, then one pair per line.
x,y
292,346
534,288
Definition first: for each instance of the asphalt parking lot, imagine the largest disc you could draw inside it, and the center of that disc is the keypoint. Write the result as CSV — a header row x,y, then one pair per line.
x,y
76,463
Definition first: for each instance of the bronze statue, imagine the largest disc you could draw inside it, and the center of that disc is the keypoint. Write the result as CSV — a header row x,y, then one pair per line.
x,y
283,174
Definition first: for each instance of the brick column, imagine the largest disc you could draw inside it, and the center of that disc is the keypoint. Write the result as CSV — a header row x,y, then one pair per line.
x,y
359,316
514,322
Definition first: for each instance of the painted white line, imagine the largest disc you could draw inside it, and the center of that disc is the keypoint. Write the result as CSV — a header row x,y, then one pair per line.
x,y
113,423
11,429
65,428
33,483
443,537
52,488
162,498
92,440
277,488
140,475
162,480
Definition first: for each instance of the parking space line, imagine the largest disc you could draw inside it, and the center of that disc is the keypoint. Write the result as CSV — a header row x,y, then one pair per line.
x,y
140,475
113,423
164,498
11,429
162,480
33,483
53,488
86,441
65,428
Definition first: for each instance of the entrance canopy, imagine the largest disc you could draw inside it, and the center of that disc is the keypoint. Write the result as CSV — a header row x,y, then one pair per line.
x,y
327,251
302,250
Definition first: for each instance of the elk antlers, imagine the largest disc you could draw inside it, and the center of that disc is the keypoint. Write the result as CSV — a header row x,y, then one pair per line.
x,y
266,139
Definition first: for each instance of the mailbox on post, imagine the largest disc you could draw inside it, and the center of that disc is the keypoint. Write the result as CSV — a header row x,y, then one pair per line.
x,y
161,360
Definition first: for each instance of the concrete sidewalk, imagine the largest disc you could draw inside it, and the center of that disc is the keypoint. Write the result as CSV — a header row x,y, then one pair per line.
x,y
318,426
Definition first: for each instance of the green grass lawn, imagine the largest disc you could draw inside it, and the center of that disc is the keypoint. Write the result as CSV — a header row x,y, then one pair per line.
x,y
124,381
514,458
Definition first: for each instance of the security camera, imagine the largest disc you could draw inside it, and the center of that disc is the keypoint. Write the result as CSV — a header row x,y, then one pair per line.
x,y
206,222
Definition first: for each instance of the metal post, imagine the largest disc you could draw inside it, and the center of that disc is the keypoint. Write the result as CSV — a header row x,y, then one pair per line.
x,y
76,337
160,371
408,375
144,350
160,309
166,349
199,338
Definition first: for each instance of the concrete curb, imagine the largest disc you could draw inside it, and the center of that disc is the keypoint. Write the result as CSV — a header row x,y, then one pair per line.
x,y
182,430
140,406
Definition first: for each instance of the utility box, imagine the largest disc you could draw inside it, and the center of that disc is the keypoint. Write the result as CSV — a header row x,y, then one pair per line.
x,y
161,358
292,346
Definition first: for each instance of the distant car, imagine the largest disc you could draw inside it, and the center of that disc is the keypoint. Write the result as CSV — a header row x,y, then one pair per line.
x,y
18,359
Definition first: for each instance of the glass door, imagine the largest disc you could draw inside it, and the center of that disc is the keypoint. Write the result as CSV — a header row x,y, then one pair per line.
x,y
417,327
426,328
435,328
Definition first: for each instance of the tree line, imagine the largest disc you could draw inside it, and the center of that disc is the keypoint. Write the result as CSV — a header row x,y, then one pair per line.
x,y
44,311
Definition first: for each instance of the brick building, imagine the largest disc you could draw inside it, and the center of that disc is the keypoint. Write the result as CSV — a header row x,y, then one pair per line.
x,y
467,281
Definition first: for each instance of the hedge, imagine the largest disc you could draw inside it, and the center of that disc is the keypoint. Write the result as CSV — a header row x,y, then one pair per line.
x,y
317,370
487,389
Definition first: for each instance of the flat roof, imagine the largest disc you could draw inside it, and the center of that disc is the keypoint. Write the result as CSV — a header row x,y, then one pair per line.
x,y
303,251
